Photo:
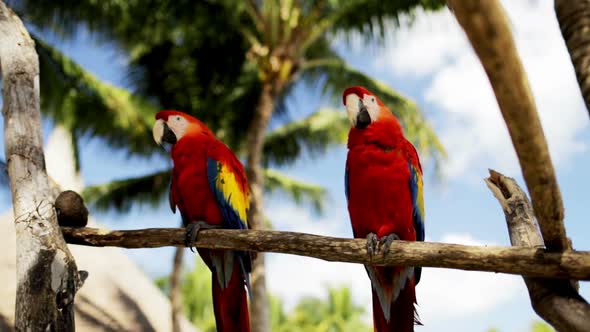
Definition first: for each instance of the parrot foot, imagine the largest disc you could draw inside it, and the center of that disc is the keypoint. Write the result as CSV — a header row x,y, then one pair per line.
x,y
386,241
192,231
372,244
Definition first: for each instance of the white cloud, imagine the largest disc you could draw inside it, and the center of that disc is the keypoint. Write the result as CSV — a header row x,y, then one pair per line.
x,y
442,294
470,125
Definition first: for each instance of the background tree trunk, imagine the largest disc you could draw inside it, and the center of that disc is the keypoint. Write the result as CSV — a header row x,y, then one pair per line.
x,y
574,21
176,289
259,311
47,276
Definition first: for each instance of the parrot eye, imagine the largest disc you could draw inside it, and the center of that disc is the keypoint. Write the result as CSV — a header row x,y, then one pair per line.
x,y
177,118
373,99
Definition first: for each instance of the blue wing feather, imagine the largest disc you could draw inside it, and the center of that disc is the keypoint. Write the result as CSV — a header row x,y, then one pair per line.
x,y
346,185
347,193
230,215
418,209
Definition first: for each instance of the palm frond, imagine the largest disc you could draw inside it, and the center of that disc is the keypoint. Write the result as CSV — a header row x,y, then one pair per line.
x,y
85,105
371,18
120,195
300,192
313,134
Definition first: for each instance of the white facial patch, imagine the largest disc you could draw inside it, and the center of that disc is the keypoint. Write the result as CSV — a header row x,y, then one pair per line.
x,y
352,108
178,125
372,106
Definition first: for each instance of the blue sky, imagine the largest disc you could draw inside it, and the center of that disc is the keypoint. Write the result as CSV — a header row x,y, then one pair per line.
x,y
433,64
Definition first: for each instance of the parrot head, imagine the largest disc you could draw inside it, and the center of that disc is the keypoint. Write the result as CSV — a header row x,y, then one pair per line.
x,y
363,107
172,126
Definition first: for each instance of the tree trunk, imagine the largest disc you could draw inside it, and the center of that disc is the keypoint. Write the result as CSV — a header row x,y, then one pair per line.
x,y
488,29
259,311
574,20
176,289
47,276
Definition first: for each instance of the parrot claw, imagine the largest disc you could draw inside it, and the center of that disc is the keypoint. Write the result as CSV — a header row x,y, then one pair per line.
x,y
192,231
386,241
372,244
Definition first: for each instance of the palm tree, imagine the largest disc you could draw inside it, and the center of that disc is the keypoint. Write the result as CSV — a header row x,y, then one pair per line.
x,y
229,71
290,41
335,314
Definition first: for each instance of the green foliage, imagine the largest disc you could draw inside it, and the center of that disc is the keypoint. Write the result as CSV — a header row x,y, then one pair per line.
x,y
85,105
335,314
197,302
182,55
122,194
300,192
369,17
536,326
314,134
541,327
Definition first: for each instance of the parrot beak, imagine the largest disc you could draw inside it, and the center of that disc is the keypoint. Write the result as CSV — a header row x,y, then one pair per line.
x,y
162,133
363,119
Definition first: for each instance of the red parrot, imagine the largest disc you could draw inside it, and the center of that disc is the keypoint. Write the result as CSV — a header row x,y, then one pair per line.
x,y
210,189
383,184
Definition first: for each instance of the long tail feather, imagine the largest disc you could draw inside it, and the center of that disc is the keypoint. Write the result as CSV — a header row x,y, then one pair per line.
x,y
393,302
231,303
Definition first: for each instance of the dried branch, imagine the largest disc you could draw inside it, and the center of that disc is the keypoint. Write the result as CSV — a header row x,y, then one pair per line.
x,y
533,262
46,272
488,29
556,301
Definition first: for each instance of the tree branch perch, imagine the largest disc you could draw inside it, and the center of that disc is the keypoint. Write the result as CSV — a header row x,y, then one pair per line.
x,y
556,301
532,262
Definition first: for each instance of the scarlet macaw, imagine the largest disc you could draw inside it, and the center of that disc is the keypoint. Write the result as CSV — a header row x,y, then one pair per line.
x,y
210,189
383,184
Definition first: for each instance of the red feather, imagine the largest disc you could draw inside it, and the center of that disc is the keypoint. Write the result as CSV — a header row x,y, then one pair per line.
x,y
380,202
191,193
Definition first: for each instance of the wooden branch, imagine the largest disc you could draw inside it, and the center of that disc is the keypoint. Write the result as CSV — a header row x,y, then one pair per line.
x,y
488,30
47,276
556,301
534,262
574,21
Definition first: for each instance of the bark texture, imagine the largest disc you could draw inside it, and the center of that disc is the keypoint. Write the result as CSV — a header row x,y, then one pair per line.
x,y
488,30
574,21
259,314
534,262
47,276
556,301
